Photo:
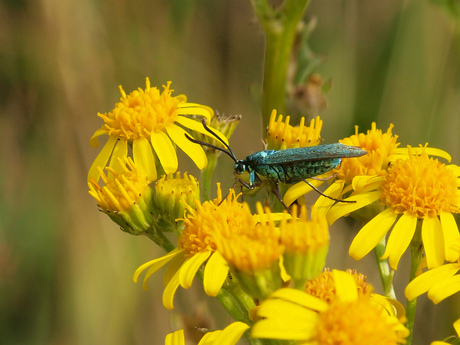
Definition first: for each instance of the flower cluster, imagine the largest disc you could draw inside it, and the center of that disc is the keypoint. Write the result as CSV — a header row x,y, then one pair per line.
x,y
267,268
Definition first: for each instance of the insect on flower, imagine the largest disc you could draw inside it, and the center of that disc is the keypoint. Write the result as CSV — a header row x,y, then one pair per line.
x,y
288,166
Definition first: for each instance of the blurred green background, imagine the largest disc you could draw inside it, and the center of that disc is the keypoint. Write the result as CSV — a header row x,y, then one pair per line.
x,y
65,269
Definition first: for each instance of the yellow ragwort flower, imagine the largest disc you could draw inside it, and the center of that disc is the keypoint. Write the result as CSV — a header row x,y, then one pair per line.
x,y
353,319
196,246
281,135
126,197
440,282
415,188
151,122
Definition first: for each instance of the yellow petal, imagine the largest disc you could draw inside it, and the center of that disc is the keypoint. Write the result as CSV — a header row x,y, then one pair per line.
x,y
194,151
341,209
433,241
323,205
198,127
363,184
101,159
210,338
94,141
165,151
170,290
144,159
120,151
457,327
301,298
425,281
190,267
371,234
215,273
299,189
345,286
431,151
229,336
176,338
400,238
172,268
196,109
450,231
444,289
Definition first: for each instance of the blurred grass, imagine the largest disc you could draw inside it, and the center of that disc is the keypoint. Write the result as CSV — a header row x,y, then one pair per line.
x,y
65,270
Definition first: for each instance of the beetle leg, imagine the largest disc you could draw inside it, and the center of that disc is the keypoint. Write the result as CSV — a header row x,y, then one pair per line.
x,y
276,191
327,196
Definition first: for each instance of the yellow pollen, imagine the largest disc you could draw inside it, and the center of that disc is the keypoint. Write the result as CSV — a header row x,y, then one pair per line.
x,y
142,112
252,247
301,234
281,135
421,186
360,322
208,218
380,146
323,286
122,191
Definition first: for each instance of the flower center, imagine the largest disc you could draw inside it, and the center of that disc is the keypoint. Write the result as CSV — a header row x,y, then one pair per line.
x,y
142,112
422,186
357,323
380,146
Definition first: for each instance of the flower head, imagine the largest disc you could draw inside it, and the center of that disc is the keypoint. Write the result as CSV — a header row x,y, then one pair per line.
x,y
281,135
151,122
351,319
415,189
126,197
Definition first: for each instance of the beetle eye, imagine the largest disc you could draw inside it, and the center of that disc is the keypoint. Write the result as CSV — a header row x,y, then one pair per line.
x,y
239,167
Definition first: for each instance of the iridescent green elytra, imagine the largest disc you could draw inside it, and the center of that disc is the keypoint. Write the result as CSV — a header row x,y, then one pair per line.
x,y
288,166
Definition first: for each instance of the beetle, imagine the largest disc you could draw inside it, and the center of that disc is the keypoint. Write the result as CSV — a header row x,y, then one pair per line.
x,y
287,166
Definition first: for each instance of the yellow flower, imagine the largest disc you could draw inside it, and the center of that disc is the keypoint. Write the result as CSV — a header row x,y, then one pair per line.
x,y
440,282
457,329
126,197
416,188
151,122
229,336
352,319
196,245
281,135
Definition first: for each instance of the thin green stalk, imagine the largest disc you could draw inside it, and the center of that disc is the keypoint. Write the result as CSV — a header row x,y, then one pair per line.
x,y
206,176
416,251
280,26
386,273
161,241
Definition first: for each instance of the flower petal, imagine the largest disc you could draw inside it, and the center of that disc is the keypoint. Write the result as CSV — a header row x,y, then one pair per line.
x,y
198,127
425,281
196,109
144,159
190,267
371,234
345,286
170,290
400,238
176,338
229,336
101,159
301,298
450,231
172,268
433,241
342,209
215,273
323,205
363,184
444,289
299,189
194,151
94,141
165,151
120,151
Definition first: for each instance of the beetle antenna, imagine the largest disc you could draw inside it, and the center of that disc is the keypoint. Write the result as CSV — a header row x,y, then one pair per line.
x,y
219,138
231,155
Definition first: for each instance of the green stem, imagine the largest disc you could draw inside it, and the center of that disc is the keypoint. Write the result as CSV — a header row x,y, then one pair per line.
x,y
207,175
280,26
161,241
386,273
416,251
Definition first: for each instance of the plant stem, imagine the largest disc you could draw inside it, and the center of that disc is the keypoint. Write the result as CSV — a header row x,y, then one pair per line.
x,y
207,175
386,273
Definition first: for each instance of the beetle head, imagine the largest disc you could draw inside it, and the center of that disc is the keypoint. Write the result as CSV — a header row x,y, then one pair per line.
x,y
239,167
